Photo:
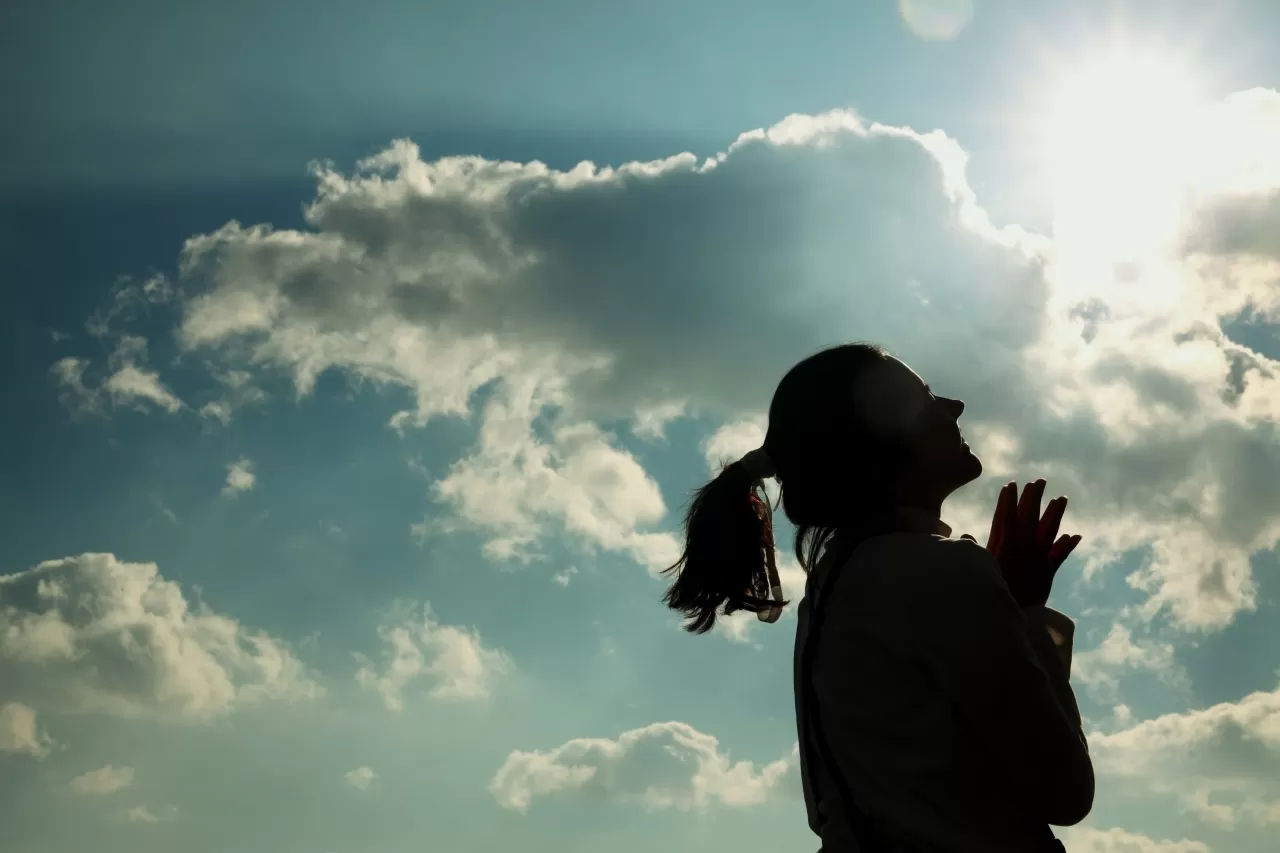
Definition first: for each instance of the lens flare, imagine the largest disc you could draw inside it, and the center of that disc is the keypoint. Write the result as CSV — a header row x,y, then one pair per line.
x,y
936,20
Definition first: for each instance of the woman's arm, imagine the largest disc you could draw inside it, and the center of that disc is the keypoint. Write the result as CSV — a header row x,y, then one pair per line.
x,y
1004,670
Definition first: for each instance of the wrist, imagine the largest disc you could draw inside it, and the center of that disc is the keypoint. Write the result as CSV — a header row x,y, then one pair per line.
x,y
1060,627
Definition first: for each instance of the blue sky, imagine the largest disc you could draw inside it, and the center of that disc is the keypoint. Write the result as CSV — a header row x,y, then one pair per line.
x,y
351,416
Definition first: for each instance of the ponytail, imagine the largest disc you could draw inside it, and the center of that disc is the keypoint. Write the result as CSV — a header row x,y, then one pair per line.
x,y
729,561
835,472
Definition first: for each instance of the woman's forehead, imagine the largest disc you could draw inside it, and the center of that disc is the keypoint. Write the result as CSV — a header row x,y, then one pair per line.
x,y
890,378
890,393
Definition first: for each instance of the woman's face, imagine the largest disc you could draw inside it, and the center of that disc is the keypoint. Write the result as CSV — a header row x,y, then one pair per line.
x,y
895,401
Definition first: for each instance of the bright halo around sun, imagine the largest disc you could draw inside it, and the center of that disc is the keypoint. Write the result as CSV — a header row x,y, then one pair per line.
x,y
1119,144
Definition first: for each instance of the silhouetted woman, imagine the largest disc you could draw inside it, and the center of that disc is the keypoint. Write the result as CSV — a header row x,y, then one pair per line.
x,y
932,686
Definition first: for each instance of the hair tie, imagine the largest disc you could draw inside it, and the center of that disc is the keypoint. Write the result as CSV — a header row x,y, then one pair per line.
x,y
759,465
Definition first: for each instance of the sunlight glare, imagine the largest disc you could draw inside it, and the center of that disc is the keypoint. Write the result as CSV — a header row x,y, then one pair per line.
x,y
1117,146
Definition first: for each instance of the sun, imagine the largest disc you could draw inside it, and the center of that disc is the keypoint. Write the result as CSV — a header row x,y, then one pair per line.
x,y
1118,145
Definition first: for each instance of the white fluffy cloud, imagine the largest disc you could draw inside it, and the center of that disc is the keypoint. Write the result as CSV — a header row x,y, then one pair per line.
x,y
732,441
515,482
448,277
103,781
453,662
19,731
556,300
97,634
240,478
1220,763
663,765
1082,839
362,778
1100,669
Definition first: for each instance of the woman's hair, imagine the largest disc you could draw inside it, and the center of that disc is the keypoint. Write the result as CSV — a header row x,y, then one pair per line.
x,y
833,471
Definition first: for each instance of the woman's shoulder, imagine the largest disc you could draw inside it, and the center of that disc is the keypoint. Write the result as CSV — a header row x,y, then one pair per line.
x,y
920,562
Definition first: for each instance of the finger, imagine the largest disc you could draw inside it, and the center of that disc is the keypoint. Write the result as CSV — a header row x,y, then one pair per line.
x,y
1029,511
1009,518
1062,549
1049,524
998,518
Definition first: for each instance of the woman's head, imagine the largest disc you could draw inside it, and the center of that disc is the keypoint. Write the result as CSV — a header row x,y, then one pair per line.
x,y
852,432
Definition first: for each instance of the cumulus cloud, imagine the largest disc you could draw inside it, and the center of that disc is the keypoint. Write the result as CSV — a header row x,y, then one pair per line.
x,y
1220,763
556,300
146,814
1083,839
103,781
514,483
452,661
361,778
94,633
663,765
732,441
445,255
1100,669
240,478
20,733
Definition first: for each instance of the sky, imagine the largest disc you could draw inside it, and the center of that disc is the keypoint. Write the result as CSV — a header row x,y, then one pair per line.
x,y
360,359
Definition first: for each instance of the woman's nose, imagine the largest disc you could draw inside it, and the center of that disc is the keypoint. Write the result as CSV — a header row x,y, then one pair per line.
x,y
957,406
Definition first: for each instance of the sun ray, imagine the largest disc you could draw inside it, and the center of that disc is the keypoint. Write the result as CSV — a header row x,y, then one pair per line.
x,y
1118,137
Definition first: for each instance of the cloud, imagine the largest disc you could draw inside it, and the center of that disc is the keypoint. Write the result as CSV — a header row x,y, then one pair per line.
x,y
514,483
1100,669
361,778
603,321
732,441
103,781
74,393
453,661
126,383
562,252
145,814
650,422
238,392
663,765
554,301
1220,763
1083,839
129,300
97,634
19,732
133,383
240,478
